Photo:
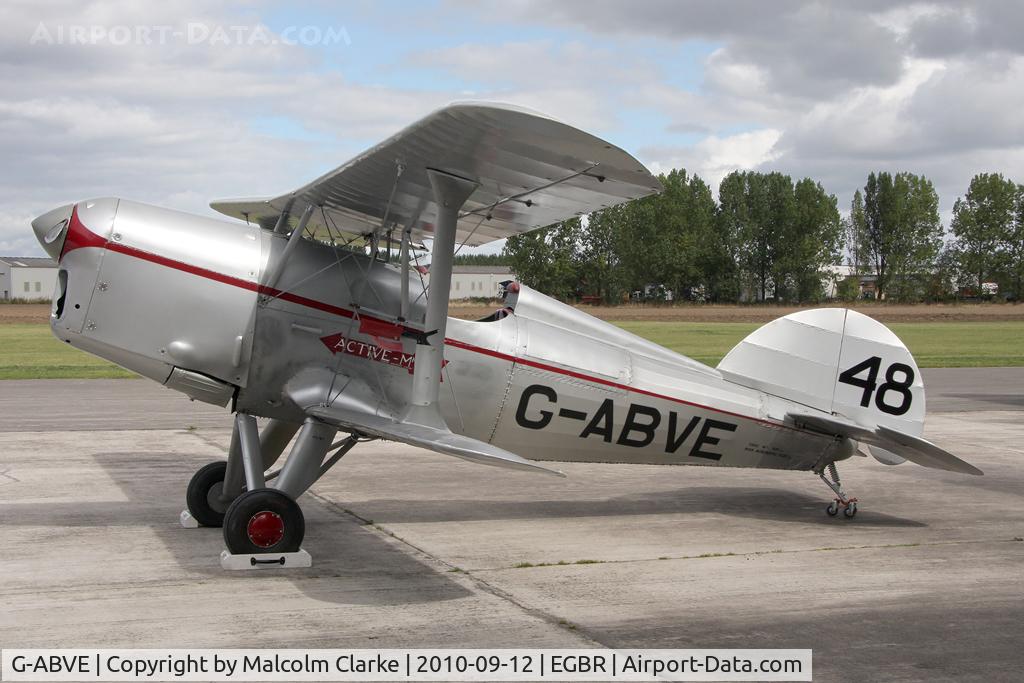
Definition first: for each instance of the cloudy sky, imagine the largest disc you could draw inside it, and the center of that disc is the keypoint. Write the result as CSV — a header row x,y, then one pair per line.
x,y
178,103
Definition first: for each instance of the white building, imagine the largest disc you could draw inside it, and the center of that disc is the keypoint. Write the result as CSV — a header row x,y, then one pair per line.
x,y
478,282
832,277
27,277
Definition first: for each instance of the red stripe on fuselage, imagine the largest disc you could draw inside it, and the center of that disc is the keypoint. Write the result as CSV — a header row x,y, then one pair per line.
x,y
605,382
79,236
86,238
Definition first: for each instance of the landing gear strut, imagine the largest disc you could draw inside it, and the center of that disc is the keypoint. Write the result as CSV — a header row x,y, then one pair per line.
x,y
262,523
848,504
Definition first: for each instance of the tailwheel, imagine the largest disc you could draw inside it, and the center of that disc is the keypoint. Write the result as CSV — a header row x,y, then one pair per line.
x,y
263,521
848,504
849,507
204,494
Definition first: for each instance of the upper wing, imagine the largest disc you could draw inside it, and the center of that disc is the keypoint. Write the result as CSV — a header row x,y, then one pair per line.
x,y
532,171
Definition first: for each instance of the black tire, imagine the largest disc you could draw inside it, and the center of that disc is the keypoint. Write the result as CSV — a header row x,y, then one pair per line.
x,y
252,512
203,494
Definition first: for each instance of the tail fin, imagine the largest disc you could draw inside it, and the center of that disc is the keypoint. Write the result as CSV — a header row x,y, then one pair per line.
x,y
846,364
834,360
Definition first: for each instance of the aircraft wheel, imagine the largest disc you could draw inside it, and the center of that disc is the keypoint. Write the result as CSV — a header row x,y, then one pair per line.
x,y
850,510
203,494
264,521
832,509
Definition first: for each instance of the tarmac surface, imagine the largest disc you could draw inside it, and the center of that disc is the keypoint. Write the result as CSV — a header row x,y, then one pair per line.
x,y
412,548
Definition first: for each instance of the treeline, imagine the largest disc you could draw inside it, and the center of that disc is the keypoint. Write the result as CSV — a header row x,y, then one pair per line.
x,y
481,260
770,238
988,237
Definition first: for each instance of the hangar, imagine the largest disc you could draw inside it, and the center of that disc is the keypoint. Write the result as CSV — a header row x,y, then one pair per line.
x,y
478,282
26,277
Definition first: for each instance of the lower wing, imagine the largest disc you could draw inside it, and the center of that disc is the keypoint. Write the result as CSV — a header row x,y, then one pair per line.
x,y
432,438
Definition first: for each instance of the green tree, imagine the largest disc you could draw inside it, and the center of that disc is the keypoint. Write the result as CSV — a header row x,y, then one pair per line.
x,y
759,211
711,264
647,252
857,242
778,225
480,260
731,220
686,233
981,220
547,259
657,240
810,242
598,260
947,276
1011,248
528,255
739,211
902,230
848,288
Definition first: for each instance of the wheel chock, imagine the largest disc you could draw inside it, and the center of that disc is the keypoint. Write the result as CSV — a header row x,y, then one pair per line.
x,y
187,520
265,560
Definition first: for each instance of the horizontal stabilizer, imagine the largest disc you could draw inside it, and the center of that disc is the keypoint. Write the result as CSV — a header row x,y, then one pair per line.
x,y
431,438
885,457
913,448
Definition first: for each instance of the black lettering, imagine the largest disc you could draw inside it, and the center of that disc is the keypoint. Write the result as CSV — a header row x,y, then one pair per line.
x,y
703,438
901,387
868,384
572,414
524,401
631,425
673,443
601,423
891,385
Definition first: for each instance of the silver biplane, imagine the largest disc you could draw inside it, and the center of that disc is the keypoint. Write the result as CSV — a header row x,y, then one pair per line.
x,y
308,310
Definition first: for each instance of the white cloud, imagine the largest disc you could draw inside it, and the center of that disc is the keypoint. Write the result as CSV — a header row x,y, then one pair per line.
x,y
715,157
929,87
172,124
867,123
830,91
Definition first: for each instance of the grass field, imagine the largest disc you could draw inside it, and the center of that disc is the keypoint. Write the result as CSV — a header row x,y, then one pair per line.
x,y
29,351
934,345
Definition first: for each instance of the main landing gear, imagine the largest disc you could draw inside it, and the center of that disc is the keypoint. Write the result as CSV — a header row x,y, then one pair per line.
x,y
849,505
262,522
205,494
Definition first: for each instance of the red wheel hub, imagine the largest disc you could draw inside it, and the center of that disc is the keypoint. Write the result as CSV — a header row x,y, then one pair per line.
x,y
265,529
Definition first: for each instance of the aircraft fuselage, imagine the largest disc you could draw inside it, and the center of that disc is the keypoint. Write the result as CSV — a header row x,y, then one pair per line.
x,y
184,300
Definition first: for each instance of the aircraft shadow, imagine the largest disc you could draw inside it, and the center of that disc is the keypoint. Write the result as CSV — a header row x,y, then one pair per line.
x,y
351,564
1008,481
993,482
756,503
